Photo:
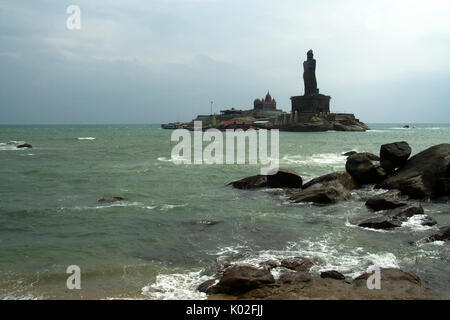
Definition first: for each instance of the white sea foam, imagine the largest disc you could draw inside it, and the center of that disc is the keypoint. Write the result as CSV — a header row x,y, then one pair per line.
x,y
8,148
119,204
164,159
415,223
28,296
165,207
350,261
231,250
347,260
176,286
86,138
322,159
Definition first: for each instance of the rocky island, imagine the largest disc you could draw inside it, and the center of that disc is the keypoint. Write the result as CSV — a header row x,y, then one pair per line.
x,y
309,112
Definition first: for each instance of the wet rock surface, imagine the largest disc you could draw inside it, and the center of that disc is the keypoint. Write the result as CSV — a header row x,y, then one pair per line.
x,y
322,193
388,200
343,177
420,177
394,155
364,168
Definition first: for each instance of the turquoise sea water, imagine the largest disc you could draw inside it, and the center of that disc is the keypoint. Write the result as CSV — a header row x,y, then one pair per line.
x,y
156,244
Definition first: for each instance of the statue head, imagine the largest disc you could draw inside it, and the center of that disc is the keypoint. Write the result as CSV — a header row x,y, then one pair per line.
x,y
310,54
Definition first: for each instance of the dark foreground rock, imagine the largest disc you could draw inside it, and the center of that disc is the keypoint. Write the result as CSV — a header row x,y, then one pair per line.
x,y
284,178
322,193
388,200
394,155
423,175
332,274
25,145
364,167
389,219
395,284
343,177
111,200
238,279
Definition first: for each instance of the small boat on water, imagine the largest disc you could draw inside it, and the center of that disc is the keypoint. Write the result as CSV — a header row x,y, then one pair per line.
x,y
172,125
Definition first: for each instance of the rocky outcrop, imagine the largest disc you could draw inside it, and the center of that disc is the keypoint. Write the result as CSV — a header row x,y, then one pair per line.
x,y
394,155
342,177
284,178
301,285
421,176
238,279
316,124
388,200
322,193
111,200
364,168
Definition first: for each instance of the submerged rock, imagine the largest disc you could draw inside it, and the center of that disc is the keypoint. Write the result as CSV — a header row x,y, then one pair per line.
x,y
111,200
25,145
428,221
380,222
442,235
322,193
389,200
421,176
284,178
389,219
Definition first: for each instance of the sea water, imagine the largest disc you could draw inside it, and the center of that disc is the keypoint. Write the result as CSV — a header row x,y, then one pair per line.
x,y
179,223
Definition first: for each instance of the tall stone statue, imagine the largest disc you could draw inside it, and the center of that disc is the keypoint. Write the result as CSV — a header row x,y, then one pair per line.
x,y
309,75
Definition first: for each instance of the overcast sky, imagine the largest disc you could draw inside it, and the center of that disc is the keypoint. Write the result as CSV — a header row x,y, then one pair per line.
x,y
156,61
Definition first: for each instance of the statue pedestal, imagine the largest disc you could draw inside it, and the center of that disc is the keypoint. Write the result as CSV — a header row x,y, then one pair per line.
x,y
309,106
